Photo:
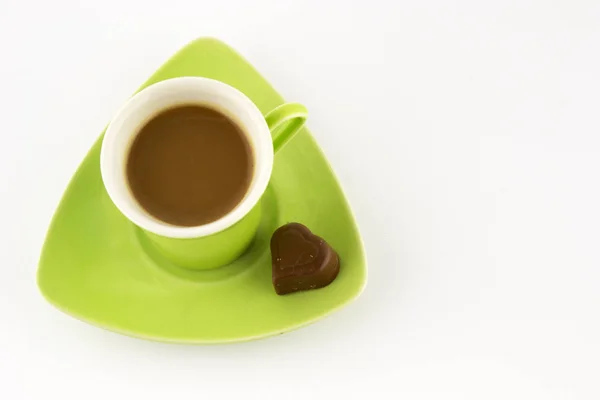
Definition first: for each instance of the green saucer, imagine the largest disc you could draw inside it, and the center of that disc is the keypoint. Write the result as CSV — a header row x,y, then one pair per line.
x,y
96,265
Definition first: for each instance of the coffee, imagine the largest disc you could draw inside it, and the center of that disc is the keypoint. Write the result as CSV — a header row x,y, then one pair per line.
x,y
190,165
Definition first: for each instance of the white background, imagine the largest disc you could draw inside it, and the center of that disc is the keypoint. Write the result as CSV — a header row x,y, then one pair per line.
x,y
466,136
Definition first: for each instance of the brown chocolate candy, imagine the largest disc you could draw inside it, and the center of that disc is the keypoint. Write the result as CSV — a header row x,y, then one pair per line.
x,y
301,260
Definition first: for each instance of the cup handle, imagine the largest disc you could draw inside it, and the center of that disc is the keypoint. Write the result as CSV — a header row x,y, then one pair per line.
x,y
284,122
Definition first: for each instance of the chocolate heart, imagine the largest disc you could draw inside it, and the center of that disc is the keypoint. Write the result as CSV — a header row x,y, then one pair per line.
x,y
301,260
294,250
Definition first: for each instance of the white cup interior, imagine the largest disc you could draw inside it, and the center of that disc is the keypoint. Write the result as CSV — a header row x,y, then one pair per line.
x,y
164,95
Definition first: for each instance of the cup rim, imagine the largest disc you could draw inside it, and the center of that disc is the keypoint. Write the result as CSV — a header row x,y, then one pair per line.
x,y
128,205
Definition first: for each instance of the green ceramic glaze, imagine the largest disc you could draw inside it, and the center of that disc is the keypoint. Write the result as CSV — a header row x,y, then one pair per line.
x,y
210,251
284,122
99,267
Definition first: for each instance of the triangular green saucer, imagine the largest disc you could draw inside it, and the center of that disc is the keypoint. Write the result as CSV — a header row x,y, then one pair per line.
x,y
96,266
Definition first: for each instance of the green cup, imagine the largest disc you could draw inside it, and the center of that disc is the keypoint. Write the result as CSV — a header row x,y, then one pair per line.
x,y
222,241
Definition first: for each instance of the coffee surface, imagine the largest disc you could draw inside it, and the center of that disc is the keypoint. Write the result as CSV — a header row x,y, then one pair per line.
x,y
189,165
